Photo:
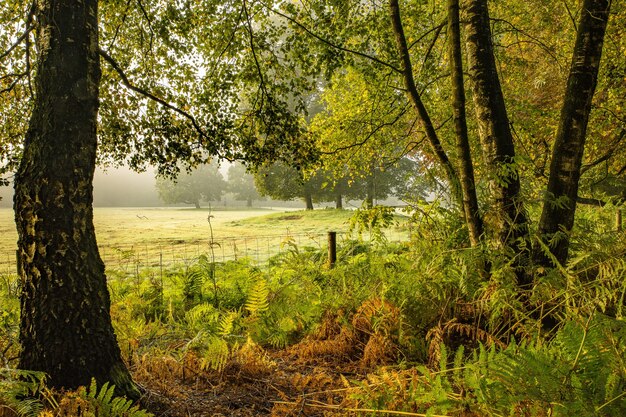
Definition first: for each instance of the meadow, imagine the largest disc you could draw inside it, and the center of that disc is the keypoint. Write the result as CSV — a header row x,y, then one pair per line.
x,y
149,236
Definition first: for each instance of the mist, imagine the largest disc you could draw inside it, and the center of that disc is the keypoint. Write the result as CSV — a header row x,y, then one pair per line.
x,y
113,187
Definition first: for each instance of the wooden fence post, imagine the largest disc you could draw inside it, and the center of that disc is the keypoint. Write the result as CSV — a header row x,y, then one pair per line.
x,y
332,249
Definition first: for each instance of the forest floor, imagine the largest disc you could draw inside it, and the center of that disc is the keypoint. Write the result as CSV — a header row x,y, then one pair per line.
x,y
280,384
322,375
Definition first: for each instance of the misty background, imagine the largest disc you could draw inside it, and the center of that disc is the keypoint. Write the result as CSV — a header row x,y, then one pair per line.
x,y
113,187
122,187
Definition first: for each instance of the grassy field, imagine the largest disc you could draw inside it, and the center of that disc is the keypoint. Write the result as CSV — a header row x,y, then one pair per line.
x,y
146,236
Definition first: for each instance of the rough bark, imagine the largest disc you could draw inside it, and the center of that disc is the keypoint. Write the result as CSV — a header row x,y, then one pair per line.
x,y
473,217
65,327
495,135
415,99
559,208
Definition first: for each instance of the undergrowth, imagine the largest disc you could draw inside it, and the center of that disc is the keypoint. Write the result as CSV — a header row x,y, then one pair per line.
x,y
416,326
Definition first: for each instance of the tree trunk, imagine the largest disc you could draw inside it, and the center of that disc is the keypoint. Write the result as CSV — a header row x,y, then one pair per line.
x,y
308,199
415,99
65,327
196,203
473,217
496,138
249,202
369,193
559,207
339,201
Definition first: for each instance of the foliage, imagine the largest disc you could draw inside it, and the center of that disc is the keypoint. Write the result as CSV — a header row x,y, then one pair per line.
x,y
23,391
93,401
204,183
241,183
455,342
373,220
579,373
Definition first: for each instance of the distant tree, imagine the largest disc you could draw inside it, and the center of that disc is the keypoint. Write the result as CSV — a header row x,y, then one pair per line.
x,y
283,182
241,183
205,183
400,179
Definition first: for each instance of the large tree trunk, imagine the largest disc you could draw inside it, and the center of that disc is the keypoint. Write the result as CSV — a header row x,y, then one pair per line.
x,y
473,217
65,327
415,99
559,208
496,138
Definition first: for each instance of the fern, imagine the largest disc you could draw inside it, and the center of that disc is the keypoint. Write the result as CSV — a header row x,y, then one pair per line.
x,y
103,402
20,390
192,290
216,354
202,315
257,300
227,323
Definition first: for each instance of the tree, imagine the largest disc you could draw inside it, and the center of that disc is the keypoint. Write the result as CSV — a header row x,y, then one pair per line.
x,y
65,324
559,208
241,183
283,182
204,183
494,129
473,217
526,28
65,327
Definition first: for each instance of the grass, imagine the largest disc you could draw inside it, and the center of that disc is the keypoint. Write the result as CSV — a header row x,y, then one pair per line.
x,y
149,234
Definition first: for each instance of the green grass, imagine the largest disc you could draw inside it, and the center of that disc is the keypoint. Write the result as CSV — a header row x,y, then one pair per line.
x,y
146,234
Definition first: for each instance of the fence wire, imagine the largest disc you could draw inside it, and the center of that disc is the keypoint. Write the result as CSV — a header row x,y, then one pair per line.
x,y
258,249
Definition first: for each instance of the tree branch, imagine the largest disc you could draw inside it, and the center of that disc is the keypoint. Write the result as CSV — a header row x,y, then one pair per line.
x,y
117,29
151,96
431,46
534,39
591,201
24,35
607,155
329,43
436,28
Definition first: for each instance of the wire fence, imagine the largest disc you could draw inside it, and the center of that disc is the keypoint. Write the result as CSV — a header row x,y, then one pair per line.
x,y
258,249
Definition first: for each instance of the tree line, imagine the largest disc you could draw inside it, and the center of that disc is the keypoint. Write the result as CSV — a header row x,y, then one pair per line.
x,y
283,182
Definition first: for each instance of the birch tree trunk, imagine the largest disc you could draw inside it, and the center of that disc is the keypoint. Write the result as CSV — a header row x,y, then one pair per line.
x,y
496,138
473,217
559,207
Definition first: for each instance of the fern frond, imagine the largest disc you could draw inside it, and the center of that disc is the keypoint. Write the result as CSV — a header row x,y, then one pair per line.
x,y
216,354
101,402
227,322
204,313
257,301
